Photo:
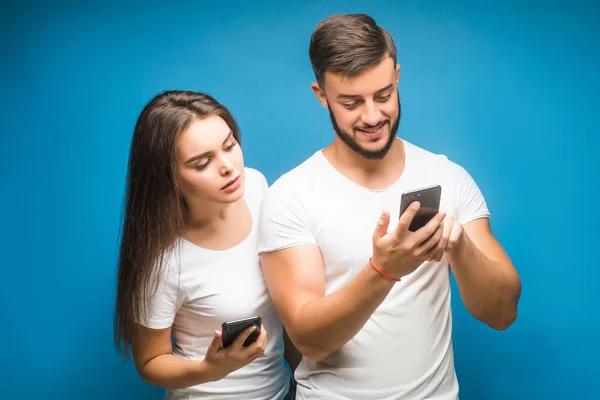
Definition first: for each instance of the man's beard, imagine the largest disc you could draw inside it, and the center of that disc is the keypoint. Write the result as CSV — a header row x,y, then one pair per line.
x,y
351,142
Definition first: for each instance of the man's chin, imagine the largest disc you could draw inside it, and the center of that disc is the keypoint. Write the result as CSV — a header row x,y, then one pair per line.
x,y
374,146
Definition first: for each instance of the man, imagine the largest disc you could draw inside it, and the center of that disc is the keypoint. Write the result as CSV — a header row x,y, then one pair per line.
x,y
364,299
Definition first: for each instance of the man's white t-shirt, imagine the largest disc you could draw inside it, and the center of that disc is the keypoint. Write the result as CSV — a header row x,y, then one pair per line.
x,y
200,289
404,351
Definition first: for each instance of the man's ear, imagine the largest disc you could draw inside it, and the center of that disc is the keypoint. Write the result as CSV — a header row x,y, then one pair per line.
x,y
319,94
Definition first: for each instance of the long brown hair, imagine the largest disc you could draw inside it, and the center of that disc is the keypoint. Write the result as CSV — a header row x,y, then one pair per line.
x,y
154,210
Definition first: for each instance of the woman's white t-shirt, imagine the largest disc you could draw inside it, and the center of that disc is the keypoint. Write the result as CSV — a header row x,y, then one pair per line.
x,y
200,289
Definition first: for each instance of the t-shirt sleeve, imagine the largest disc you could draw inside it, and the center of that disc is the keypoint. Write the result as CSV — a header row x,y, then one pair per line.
x,y
284,221
263,183
256,187
164,303
469,198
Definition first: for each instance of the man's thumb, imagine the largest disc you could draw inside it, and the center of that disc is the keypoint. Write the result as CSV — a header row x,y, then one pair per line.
x,y
382,224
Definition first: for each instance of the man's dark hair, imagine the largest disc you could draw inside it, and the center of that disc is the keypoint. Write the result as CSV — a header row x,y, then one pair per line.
x,y
348,44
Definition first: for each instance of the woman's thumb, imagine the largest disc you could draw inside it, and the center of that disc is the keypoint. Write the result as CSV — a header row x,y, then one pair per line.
x,y
215,344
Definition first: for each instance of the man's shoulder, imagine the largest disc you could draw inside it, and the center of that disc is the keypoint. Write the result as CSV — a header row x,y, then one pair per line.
x,y
421,154
431,160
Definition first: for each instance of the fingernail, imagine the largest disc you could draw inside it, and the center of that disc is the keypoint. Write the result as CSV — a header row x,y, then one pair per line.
x,y
416,205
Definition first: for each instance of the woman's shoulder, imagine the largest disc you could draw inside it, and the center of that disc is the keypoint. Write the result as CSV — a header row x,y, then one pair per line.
x,y
256,187
255,179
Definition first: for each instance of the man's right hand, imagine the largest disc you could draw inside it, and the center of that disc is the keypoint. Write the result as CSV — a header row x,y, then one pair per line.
x,y
399,252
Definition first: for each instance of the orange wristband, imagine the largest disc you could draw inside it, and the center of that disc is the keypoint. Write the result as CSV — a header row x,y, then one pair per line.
x,y
381,272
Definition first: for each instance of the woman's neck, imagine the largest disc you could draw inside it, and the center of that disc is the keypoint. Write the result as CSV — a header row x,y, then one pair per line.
x,y
221,228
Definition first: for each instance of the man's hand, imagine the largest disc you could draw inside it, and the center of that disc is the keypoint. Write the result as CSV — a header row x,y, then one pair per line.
x,y
401,251
452,235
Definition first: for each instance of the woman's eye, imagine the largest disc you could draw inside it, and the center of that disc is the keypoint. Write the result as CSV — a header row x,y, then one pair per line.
x,y
202,166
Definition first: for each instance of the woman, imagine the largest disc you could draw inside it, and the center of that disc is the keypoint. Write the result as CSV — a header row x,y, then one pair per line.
x,y
188,259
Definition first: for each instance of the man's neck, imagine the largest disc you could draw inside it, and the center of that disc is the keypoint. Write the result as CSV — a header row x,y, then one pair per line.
x,y
372,174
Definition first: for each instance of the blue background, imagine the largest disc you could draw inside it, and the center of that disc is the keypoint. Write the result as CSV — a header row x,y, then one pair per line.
x,y
510,91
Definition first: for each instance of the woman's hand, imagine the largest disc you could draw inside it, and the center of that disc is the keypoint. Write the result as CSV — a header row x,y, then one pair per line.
x,y
224,360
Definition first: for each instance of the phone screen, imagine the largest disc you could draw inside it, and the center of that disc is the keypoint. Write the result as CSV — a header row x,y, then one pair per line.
x,y
230,330
429,198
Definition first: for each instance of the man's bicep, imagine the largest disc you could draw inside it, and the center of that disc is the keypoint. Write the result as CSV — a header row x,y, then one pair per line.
x,y
294,276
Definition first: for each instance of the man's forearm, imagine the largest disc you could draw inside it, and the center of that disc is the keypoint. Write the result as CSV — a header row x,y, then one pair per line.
x,y
489,291
324,325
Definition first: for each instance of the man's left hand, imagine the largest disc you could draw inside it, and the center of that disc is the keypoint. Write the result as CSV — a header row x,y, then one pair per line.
x,y
452,236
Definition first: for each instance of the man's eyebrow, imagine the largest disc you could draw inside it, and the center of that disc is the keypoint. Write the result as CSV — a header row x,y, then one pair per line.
x,y
202,155
358,96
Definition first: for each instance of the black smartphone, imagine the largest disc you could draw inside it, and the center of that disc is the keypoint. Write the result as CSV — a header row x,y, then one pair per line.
x,y
429,198
231,329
